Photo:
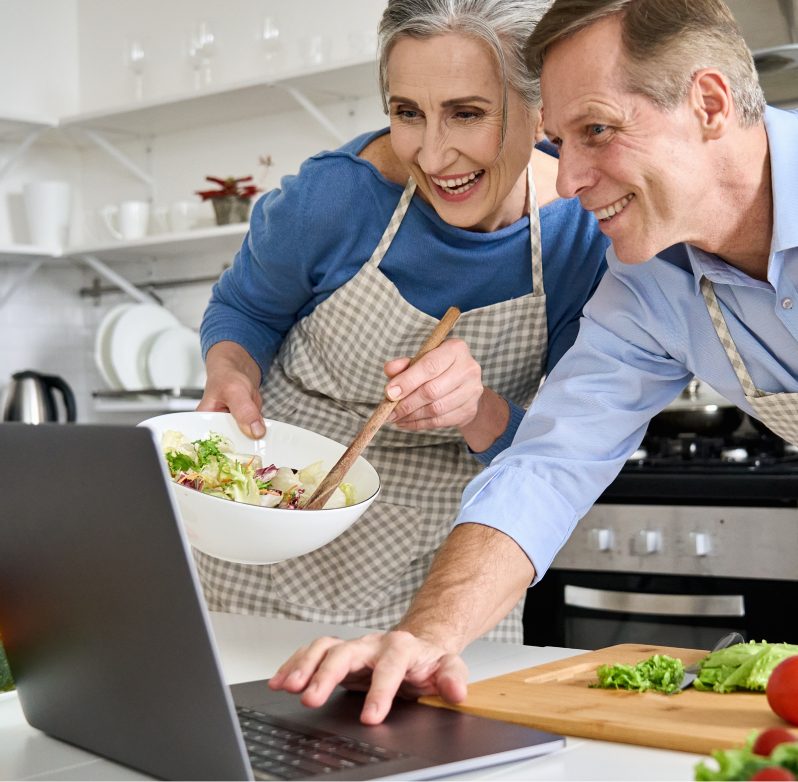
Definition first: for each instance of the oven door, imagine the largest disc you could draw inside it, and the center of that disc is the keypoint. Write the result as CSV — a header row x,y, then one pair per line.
x,y
593,610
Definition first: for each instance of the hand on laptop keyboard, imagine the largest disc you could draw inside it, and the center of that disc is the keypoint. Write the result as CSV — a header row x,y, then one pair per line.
x,y
384,664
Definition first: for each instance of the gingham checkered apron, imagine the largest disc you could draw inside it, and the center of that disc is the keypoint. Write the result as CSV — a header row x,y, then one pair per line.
x,y
779,412
328,378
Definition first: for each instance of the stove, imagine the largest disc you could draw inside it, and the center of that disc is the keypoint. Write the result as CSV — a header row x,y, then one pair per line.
x,y
746,469
697,536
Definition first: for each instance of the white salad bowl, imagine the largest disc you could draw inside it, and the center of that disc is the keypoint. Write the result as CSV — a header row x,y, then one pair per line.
x,y
250,534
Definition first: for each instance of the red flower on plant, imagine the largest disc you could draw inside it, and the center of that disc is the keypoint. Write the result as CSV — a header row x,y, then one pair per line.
x,y
229,187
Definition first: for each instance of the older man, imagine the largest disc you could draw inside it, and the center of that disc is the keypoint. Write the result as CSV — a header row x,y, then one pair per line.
x,y
664,136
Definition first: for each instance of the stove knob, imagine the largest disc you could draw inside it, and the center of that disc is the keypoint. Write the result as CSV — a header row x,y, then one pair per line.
x,y
601,539
701,543
647,541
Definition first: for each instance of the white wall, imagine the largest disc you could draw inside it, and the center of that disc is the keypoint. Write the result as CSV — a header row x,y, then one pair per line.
x,y
47,326
38,57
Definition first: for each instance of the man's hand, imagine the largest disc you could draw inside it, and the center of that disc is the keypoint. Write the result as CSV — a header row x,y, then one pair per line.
x,y
477,577
232,387
383,665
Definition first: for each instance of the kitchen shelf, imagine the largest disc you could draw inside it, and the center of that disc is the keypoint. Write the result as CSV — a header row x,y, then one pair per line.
x,y
221,238
242,100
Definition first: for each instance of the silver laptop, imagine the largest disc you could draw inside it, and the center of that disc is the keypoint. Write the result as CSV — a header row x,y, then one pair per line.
x,y
111,647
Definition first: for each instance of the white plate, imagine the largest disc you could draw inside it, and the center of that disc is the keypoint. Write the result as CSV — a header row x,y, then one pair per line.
x,y
12,694
131,339
102,345
175,359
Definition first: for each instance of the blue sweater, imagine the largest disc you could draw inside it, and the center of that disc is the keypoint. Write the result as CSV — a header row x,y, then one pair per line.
x,y
314,233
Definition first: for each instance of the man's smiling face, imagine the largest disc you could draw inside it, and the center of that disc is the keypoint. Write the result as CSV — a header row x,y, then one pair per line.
x,y
636,167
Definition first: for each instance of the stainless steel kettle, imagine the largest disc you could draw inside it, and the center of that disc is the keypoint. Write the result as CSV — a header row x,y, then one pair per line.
x,y
30,398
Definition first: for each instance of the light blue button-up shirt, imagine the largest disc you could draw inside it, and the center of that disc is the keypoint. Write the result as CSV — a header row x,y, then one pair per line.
x,y
644,334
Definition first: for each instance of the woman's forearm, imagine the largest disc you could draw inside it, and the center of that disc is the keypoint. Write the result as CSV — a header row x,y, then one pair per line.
x,y
490,422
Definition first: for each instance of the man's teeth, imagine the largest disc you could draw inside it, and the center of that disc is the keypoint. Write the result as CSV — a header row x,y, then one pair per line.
x,y
458,185
613,209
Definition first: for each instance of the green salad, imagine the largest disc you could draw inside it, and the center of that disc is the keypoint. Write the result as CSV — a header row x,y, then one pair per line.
x,y
659,673
210,465
743,763
742,666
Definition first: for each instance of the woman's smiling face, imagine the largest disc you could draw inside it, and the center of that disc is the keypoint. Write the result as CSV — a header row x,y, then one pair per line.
x,y
445,103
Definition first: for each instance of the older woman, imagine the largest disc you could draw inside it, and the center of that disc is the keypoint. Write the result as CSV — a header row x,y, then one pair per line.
x,y
353,261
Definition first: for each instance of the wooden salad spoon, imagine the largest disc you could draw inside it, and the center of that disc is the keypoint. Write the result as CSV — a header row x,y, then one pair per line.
x,y
325,489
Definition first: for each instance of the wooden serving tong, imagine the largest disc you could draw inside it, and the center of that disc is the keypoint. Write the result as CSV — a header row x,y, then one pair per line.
x,y
338,473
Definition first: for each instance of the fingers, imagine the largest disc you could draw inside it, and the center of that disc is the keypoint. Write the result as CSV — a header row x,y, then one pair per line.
x,y
455,409
338,664
393,368
389,672
294,674
441,389
452,679
237,395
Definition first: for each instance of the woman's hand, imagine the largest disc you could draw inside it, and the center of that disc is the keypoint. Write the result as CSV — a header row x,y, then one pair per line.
x,y
441,389
444,388
232,387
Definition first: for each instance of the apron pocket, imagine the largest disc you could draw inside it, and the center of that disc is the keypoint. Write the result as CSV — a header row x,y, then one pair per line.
x,y
358,570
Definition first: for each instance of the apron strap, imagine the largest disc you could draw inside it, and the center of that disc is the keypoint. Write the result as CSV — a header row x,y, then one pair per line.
x,y
722,330
534,231
534,236
394,223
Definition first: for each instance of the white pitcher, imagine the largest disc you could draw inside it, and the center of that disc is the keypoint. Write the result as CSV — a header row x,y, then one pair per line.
x,y
48,206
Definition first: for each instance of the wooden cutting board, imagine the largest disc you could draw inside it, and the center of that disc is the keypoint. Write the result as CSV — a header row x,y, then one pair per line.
x,y
555,697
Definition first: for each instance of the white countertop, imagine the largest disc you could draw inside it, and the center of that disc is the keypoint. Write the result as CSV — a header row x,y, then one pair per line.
x,y
254,647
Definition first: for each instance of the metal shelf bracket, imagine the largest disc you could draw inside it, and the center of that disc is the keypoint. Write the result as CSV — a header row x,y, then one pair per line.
x,y
314,112
120,157
15,285
20,151
118,280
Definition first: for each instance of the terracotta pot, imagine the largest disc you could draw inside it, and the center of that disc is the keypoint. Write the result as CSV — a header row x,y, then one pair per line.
x,y
231,209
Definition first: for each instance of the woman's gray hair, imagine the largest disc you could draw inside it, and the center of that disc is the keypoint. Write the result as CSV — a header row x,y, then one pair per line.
x,y
503,25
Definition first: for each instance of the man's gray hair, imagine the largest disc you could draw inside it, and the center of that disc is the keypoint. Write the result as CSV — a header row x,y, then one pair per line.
x,y
503,25
666,43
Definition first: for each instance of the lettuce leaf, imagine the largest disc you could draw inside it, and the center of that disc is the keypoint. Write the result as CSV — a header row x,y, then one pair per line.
x,y
742,666
659,673
742,763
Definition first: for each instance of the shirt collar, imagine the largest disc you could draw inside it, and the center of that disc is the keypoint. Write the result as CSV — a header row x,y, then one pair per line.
x,y
782,129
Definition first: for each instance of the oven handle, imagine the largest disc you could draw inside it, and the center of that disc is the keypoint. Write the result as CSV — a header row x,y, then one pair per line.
x,y
639,603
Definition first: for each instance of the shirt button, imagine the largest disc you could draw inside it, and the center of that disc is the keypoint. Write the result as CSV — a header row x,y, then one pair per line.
x,y
786,304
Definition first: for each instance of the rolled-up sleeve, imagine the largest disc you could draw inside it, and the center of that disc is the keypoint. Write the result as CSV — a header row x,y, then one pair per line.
x,y
589,416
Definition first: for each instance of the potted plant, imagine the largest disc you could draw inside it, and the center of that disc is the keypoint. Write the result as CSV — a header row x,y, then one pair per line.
x,y
231,201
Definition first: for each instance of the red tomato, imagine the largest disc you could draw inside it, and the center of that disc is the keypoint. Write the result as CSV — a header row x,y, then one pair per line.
x,y
772,772
769,739
782,690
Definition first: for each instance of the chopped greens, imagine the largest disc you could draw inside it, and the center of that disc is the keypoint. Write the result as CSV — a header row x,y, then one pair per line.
x,y
742,666
659,673
210,466
742,763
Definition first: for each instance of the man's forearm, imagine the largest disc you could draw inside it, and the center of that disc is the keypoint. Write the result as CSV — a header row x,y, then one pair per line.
x,y
490,422
477,577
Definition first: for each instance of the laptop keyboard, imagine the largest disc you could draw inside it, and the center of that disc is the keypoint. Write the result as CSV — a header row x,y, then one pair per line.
x,y
276,752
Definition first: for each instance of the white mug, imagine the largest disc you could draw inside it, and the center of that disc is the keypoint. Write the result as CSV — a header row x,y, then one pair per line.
x,y
133,218
48,206
183,216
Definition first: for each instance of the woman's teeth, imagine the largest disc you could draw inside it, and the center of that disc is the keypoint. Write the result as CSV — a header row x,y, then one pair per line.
x,y
613,209
459,184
